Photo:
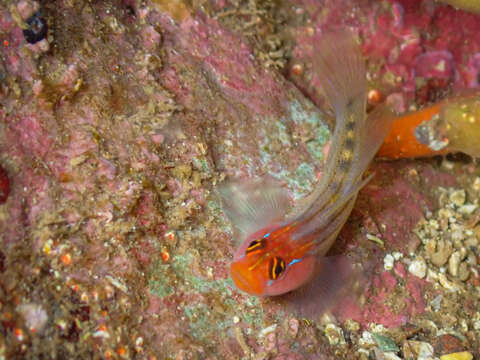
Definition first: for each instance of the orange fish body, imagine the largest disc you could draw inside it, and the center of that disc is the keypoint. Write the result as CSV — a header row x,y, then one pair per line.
x,y
284,250
450,125
401,141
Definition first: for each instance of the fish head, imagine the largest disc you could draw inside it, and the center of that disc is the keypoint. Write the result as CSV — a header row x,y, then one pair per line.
x,y
263,265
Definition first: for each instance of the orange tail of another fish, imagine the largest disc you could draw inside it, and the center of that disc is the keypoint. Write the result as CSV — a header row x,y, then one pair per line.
x,y
401,141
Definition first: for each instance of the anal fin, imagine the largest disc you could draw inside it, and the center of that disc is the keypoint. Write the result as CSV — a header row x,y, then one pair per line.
x,y
335,279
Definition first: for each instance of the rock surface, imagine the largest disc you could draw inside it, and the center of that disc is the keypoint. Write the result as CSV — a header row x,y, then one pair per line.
x,y
118,125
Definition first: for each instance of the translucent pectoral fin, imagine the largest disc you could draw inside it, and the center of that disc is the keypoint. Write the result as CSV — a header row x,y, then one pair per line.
x,y
254,204
335,279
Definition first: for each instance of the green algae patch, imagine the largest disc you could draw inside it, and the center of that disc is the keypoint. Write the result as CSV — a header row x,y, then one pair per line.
x,y
213,310
281,134
316,145
298,114
304,176
160,288
385,343
201,164
307,129
178,275
204,323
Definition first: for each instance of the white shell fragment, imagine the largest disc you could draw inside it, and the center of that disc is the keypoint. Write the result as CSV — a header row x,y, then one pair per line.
x,y
447,284
334,334
458,197
418,267
388,262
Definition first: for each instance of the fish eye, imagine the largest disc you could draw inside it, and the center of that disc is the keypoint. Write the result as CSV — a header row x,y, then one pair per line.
x,y
276,267
255,245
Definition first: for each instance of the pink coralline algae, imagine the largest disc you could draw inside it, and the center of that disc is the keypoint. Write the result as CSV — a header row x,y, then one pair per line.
x,y
416,49
435,64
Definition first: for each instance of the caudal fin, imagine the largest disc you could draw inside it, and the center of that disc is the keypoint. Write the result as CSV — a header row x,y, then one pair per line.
x,y
339,64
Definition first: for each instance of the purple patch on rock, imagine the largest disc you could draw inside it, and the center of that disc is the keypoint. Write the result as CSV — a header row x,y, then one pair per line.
x,y
435,64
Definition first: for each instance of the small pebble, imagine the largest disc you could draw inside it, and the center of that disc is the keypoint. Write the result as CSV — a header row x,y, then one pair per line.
x,y
458,197
268,330
376,328
457,234
476,324
476,184
431,246
397,255
293,325
447,344
432,276
464,355
453,263
436,303
388,262
418,267
297,69
363,354
351,325
417,350
472,259
434,224
447,284
328,318
463,272
334,334
367,339
449,165
467,209
443,251
391,356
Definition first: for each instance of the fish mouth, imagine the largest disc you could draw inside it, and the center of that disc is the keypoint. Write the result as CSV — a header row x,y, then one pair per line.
x,y
244,283
238,279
